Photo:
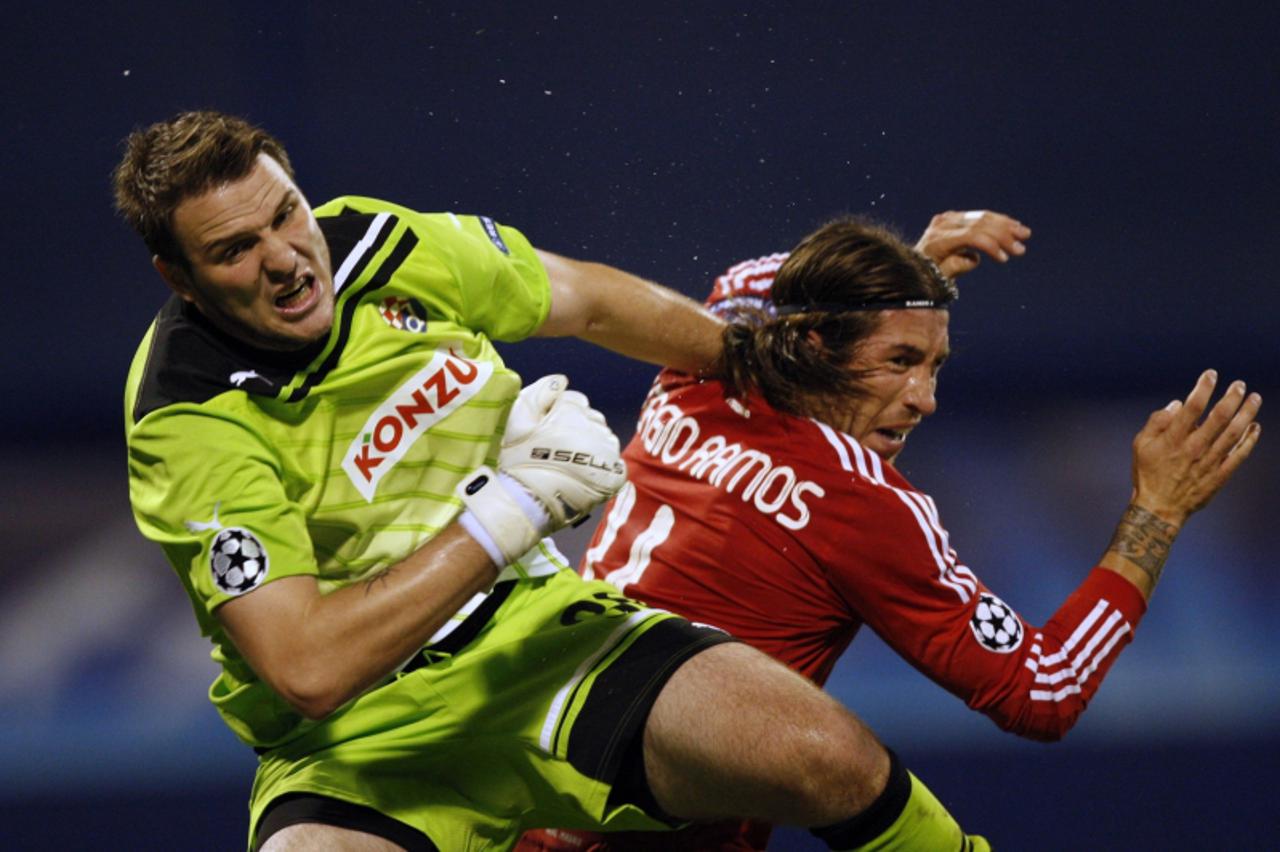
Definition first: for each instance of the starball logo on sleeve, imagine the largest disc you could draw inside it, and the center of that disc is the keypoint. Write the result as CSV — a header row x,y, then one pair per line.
x,y
430,395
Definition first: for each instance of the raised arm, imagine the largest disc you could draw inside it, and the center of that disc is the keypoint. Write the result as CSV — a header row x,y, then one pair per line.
x,y
1037,680
628,315
954,239
1180,461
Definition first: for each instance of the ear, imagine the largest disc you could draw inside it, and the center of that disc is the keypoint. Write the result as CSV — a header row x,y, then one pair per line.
x,y
175,276
814,339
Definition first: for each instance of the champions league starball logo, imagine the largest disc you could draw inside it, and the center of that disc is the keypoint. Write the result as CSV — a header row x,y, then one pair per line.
x,y
404,314
238,561
995,625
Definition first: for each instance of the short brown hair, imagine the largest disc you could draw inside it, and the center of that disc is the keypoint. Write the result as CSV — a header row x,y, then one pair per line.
x,y
177,159
797,358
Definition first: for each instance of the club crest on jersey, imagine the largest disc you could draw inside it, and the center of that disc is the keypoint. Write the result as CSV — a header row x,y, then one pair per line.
x,y
404,314
995,625
446,384
237,560
491,228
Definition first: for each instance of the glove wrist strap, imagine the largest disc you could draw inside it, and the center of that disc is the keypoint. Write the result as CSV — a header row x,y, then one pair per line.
x,y
501,514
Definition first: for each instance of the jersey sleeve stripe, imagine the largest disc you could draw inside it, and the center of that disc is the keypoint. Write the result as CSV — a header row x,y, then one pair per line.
x,y
399,253
1124,630
756,275
956,572
1084,627
877,466
836,444
944,574
362,248
1102,640
868,465
860,459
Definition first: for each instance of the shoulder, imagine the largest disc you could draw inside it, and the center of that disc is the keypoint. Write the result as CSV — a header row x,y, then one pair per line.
x,y
747,285
184,359
346,213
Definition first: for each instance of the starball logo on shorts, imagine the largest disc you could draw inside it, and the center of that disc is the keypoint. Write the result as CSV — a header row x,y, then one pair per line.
x,y
404,314
429,396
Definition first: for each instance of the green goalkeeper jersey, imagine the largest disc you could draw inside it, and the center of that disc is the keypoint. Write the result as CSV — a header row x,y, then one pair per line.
x,y
247,465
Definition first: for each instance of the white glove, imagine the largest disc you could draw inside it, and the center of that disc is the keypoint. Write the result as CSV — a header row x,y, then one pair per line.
x,y
557,449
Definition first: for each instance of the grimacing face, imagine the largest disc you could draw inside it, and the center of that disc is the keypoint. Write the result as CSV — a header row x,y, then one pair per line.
x,y
259,265
900,360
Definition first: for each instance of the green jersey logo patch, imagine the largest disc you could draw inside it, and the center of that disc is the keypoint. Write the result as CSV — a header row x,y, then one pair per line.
x,y
404,314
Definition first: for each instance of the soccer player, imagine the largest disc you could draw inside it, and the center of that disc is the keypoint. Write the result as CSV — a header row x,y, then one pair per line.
x,y
767,503
354,491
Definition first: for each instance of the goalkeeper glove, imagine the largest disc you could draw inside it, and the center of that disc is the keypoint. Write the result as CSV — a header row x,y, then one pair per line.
x,y
558,460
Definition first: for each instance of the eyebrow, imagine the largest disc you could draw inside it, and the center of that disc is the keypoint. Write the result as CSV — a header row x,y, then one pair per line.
x,y
220,243
916,352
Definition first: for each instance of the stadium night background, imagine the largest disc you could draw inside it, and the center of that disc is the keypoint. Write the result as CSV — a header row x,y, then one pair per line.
x,y
1138,141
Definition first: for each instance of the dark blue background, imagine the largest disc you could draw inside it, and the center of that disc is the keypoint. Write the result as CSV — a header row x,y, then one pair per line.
x,y
672,140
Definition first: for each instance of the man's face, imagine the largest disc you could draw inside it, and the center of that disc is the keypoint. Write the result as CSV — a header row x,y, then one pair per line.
x,y
900,361
259,266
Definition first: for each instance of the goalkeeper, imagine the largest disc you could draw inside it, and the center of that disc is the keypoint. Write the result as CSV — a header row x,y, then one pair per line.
x,y
354,490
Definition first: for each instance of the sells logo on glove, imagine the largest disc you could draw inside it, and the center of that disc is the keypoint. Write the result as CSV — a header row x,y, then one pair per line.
x,y
583,458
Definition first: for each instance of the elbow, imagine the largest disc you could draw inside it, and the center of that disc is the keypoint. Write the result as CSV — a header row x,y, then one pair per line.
x,y
1050,728
315,709
311,691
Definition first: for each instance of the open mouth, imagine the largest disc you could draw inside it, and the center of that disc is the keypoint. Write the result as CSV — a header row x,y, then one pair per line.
x,y
893,434
297,296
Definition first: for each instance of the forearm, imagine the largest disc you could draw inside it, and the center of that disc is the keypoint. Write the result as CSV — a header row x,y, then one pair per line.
x,y
628,315
1139,548
321,650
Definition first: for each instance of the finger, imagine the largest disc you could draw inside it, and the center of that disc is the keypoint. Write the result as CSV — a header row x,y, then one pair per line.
x,y
963,261
1160,419
1241,451
993,221
576,398
1196,401
1235,429
988,244
1010,242
1221,413
1210,429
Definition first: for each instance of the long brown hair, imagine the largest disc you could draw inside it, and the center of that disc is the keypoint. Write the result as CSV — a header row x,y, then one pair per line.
x,y
182,157
796,358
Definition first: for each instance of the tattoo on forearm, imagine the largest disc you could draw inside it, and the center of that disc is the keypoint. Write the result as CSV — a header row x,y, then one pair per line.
x,y
1144,540
381,577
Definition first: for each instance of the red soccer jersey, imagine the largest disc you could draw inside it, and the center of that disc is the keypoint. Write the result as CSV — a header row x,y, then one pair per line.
x,y
791,536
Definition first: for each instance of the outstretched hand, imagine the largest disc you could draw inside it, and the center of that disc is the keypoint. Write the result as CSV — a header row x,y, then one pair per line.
x,y
954,239
1180,461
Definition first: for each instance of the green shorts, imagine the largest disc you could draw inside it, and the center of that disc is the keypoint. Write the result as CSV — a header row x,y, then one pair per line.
x,y
520,718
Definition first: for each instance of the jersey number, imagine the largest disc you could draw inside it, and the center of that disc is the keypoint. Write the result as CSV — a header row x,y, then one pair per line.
x,y
642,547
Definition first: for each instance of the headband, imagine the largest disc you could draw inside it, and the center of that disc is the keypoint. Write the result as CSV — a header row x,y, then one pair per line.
x,y
837,308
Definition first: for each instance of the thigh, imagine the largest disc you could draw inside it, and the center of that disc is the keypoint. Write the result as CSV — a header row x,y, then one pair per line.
x,y
735,733
314,837
313,822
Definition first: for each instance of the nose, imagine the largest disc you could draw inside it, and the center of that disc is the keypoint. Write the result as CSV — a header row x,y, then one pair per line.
x,y
919,395
279,259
